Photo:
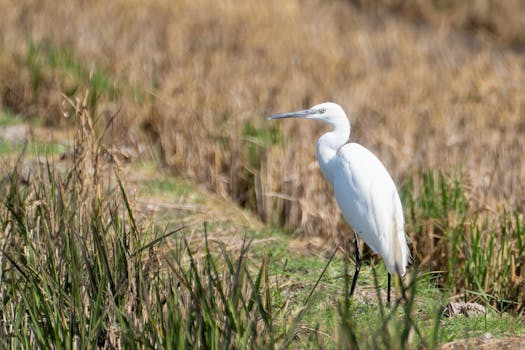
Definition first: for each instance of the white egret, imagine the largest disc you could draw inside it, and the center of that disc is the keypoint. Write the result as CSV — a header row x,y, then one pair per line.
x,y
364,190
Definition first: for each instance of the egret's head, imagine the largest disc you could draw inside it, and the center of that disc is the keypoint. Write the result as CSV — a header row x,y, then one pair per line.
x,y
327,112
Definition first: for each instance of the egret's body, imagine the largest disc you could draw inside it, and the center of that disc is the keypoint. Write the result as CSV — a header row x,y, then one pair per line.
x,y
365,192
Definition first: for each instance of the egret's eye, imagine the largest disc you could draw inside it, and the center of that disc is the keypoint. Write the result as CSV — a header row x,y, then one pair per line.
x,y
322,110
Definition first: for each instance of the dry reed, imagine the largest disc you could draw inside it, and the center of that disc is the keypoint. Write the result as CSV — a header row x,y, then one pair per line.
x,y
420,96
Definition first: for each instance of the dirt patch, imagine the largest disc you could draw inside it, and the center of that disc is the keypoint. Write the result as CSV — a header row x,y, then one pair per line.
x,y
487,342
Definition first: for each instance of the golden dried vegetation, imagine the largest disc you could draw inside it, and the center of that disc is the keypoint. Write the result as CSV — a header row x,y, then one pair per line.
x,y
432,85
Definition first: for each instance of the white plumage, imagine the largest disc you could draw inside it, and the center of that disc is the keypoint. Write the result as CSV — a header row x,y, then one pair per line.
x,y
365,192
370,203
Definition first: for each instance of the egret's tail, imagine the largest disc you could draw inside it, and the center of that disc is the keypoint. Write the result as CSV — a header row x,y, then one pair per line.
x,y
400,256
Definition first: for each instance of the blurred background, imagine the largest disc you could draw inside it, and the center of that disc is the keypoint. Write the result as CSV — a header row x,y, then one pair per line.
x,y
433,88
145,200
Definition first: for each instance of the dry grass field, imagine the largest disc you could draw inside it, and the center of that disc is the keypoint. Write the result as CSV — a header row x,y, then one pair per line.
x,y
434,88
420,96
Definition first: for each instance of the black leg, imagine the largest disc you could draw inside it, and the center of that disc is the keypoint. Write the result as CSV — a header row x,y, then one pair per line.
x,y
357,266
388,290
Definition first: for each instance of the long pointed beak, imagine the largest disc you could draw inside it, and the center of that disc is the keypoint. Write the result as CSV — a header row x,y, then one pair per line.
x,y
299,114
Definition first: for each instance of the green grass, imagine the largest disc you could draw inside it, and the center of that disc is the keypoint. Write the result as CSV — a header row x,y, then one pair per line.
x,y
47,62
33,148
69,276
7,118
298,273
477,254
79,267
72,73
497,324
172,188
96,274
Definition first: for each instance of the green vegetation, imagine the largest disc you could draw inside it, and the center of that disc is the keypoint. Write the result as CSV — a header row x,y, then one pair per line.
x,y
482,255
33,148
8,118
80,267
101,253
72,74
170,187
256,139
76,274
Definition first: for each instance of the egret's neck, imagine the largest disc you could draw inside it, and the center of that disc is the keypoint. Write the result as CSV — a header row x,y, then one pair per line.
x,y
329,144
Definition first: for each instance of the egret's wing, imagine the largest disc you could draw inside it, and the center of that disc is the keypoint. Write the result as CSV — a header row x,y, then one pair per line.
x,y
370,203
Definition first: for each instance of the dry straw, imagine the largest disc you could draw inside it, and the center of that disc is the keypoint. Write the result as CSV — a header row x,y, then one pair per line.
x,y
444,91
